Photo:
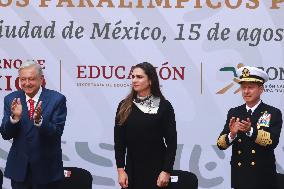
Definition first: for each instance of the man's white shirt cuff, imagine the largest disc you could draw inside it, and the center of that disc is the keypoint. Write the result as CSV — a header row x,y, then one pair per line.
x,y
231,139
13,121
38,124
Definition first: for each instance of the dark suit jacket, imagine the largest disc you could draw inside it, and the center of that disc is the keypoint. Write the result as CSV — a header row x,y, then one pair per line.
x,y
253,160
40,147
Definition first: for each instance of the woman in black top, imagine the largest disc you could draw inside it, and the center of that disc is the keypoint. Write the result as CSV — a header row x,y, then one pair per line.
x,y
145,131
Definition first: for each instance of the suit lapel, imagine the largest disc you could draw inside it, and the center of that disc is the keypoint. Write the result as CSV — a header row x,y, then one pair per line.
x,y
25,114
26,122
44,98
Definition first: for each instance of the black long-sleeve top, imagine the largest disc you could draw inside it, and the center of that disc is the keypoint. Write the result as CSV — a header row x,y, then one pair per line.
x,y
150,142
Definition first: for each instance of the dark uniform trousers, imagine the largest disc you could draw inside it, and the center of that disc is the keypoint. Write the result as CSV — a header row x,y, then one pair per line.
x,y
253,160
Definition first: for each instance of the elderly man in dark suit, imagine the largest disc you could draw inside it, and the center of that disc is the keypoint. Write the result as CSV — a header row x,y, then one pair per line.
x,y
253,130
34,118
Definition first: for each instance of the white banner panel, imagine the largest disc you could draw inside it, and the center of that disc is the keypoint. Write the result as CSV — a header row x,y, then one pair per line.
x,y
87,49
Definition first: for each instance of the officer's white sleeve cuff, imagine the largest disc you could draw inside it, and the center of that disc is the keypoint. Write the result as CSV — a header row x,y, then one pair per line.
x,y
231,139
250,132
13,121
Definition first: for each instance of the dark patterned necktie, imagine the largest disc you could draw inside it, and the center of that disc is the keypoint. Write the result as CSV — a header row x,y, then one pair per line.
x,y
249,113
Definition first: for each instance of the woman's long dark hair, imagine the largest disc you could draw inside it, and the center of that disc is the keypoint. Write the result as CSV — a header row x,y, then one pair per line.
x,y
126,106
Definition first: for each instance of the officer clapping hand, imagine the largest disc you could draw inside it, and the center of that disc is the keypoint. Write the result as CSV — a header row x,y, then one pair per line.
x,y
245,125
234,127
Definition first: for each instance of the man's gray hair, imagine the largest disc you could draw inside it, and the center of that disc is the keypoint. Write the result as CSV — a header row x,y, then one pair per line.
x,y
31,63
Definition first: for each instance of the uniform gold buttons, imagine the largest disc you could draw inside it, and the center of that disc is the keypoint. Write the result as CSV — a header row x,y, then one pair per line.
x,y
252,163
240,140
239,151
253,151
239,164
